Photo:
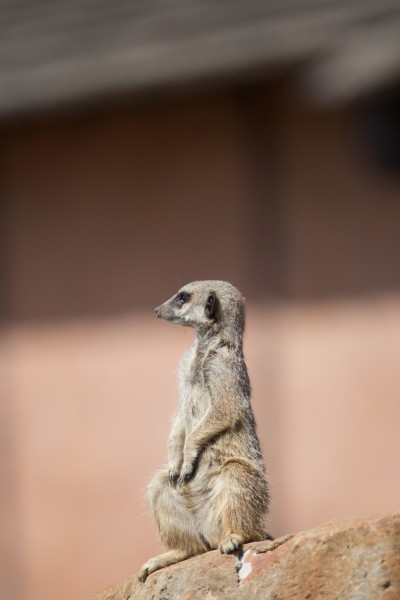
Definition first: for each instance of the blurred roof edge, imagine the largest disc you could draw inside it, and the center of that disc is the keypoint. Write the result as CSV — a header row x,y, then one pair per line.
x,y
60,51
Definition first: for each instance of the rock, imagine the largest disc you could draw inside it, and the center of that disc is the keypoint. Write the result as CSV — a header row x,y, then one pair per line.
x,y
352,559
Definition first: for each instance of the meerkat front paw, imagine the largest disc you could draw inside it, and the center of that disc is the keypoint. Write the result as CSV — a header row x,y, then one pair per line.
x,y
186,474
174,469
173,478
189,465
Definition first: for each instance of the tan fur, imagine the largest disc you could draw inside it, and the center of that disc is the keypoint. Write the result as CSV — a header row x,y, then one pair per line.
x,y
214,492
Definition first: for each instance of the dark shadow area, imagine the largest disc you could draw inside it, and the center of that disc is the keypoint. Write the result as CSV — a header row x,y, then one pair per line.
x,y
380,130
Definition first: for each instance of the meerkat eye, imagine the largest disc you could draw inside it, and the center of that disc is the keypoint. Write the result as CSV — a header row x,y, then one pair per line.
x,y
181,299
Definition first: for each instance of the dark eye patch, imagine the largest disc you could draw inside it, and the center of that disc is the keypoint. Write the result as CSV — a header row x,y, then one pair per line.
x,y
182,298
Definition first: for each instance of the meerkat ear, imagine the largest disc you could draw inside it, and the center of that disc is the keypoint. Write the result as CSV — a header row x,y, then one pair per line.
x,y
212,306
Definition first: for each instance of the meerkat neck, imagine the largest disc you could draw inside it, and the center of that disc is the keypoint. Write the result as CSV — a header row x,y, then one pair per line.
x,y
219,337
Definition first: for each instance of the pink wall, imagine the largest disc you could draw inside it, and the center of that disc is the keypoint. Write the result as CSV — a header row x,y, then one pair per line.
x,y
92,406
103,218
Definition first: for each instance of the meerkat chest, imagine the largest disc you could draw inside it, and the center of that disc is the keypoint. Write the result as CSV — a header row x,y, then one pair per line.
x,y
195,397
195,405
192,370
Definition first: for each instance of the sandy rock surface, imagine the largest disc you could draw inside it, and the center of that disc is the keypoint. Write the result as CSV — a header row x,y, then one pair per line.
x,y
357,559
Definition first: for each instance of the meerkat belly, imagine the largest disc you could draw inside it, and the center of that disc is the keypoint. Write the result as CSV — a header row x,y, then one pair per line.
x,y
229,446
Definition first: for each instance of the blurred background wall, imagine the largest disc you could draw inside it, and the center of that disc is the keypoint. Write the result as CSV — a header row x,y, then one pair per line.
x,y
144,145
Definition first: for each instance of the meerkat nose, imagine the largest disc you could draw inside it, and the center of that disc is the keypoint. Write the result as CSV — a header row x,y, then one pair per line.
x,y
157,310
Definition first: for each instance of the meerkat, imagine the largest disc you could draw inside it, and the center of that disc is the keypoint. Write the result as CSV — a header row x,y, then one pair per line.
x,y
214,493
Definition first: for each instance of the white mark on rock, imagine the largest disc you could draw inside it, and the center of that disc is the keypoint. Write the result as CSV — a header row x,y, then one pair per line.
x,y
245,567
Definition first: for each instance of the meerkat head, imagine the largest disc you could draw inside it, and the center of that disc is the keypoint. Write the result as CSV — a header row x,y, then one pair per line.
x,y
206,305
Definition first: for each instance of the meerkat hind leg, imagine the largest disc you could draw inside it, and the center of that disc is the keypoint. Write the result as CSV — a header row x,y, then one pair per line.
x,y
230,543
238,523
163,560
177,527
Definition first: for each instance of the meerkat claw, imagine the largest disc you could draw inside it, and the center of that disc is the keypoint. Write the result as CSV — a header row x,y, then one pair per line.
x,y
143,575
173,479
229,544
